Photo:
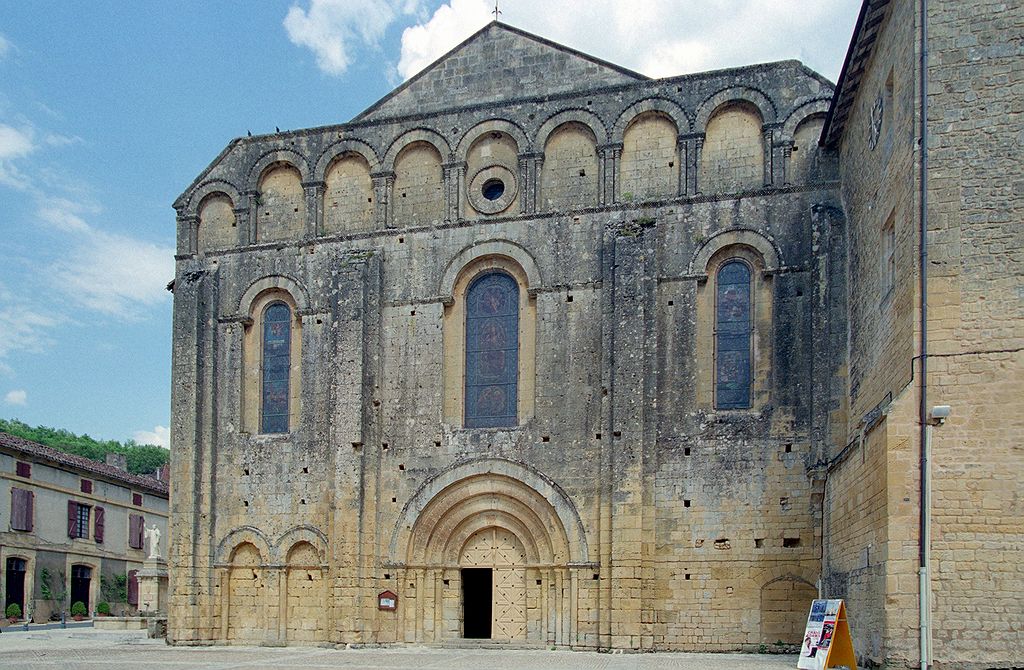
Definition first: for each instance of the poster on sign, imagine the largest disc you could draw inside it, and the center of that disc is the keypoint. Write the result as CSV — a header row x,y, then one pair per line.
x,y
827,642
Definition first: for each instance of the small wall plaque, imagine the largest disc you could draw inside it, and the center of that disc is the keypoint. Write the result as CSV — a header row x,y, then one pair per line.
x,y
387,601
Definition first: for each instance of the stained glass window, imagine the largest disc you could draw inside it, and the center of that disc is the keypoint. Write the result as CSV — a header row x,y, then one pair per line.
x,y
492,351
277,340
732,336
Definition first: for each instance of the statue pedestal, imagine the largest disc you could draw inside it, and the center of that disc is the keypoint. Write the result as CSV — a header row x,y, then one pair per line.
x,y
153,586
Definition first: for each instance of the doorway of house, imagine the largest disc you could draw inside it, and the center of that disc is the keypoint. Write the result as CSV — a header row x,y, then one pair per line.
x,y
15,580
476,603
81,576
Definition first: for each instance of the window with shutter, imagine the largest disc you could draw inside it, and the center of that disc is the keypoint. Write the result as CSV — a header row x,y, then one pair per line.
x,y
100,523
21,509
72,518
24,469
137,499
136,526
133,587
86,486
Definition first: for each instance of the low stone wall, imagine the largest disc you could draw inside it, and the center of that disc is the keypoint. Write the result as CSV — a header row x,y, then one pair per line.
x,y
120,623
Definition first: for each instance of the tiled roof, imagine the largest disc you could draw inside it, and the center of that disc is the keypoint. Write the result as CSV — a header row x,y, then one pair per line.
x,y
872,13
60,458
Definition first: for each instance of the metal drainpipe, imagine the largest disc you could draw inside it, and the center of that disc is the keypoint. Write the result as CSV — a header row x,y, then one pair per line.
x,y
925,521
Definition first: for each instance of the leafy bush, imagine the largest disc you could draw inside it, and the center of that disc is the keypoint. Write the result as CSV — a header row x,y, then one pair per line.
x,y
103,608
78,609
13,611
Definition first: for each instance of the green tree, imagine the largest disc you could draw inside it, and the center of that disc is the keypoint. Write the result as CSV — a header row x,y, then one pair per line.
x,y
142,458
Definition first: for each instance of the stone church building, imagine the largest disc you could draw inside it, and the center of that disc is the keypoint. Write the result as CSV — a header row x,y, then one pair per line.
x,y
541,350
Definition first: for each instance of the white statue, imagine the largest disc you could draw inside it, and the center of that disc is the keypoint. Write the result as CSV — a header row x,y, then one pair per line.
x,y
153,535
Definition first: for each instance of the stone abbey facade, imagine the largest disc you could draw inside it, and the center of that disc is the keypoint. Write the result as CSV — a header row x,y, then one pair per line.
x,y
541,350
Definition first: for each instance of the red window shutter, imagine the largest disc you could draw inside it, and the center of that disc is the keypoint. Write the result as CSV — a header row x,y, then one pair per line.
x,y
137,499
24,469
72,518
17,513
30,499
135,529
133,587
86,486
99,525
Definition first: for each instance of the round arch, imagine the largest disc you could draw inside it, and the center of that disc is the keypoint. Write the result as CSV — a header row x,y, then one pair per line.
x,y
338,149
581,116
763,245
431,137
725,96
501,493
241,535
299,534
207,188
802,113
666,107
484,249
282,282
489,126
284,156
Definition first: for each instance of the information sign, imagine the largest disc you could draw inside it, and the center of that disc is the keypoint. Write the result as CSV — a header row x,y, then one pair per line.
x,y
827,642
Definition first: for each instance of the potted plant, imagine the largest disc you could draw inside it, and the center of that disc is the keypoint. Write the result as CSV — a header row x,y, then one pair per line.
x,y
103,609
78,610
13,612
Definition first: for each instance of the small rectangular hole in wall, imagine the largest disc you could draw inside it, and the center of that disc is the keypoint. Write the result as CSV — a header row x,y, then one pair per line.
x,y
437,443
686,503
686,451
687,577
758,543
302,501
671,163
616,433
245,503
245,472
568,298
670,303
296,210
784,502
597,436
722,543
357,445
545,438
319,322
384,446
412,313
401,466
387,576
679,89
394,500
401,240
305,471
412,585
791,542
445,581
539,582
789,448
596,577
583,173
369,200
403,195
376,403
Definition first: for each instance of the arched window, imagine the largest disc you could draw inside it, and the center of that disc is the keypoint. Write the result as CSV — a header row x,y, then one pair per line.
x,y
492,351
732,336
276,368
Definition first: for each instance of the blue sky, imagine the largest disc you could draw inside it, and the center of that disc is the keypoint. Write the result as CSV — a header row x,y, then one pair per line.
x,y
108,110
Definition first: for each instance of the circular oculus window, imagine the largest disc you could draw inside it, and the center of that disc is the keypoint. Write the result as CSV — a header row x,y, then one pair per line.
x,y
492,189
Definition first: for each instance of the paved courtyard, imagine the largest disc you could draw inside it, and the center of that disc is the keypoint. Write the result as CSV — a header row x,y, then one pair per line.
x,y
88,648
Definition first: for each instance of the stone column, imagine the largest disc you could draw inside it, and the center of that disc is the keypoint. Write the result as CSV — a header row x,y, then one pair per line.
x,y
314,191
785,151
767,131
608,157
682,160
529,168
188,235
383,186
695,148
454,181
249,233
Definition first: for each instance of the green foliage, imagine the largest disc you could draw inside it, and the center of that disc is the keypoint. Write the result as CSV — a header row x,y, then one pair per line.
x,y
13,611
115,588
78,609
143,459
103,608
47,588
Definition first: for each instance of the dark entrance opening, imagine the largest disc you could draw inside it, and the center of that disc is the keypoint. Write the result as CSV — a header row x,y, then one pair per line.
x,y
80,576
476,603
15,583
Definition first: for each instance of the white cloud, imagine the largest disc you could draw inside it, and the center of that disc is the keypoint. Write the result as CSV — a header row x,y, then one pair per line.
x,y
5,46
333,29
63,214
24,327
451,23
115,274
15,143
160,436
16,397
659,39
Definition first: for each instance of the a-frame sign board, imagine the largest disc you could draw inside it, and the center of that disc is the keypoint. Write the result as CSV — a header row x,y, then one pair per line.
x,y
827,642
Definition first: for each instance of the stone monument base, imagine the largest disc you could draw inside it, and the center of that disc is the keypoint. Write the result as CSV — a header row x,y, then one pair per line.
x,y
153,587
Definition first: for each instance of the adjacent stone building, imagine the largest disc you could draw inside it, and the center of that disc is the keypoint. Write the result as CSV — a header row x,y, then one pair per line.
x,y
73,531
539,349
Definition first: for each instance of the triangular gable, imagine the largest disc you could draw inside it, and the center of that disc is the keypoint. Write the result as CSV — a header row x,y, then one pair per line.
x,y
498,63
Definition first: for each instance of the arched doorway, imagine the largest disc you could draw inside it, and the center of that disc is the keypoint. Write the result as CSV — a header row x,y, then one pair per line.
x,y
245,591
81,579
785,602
15,581
304,595
493,575
491,534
